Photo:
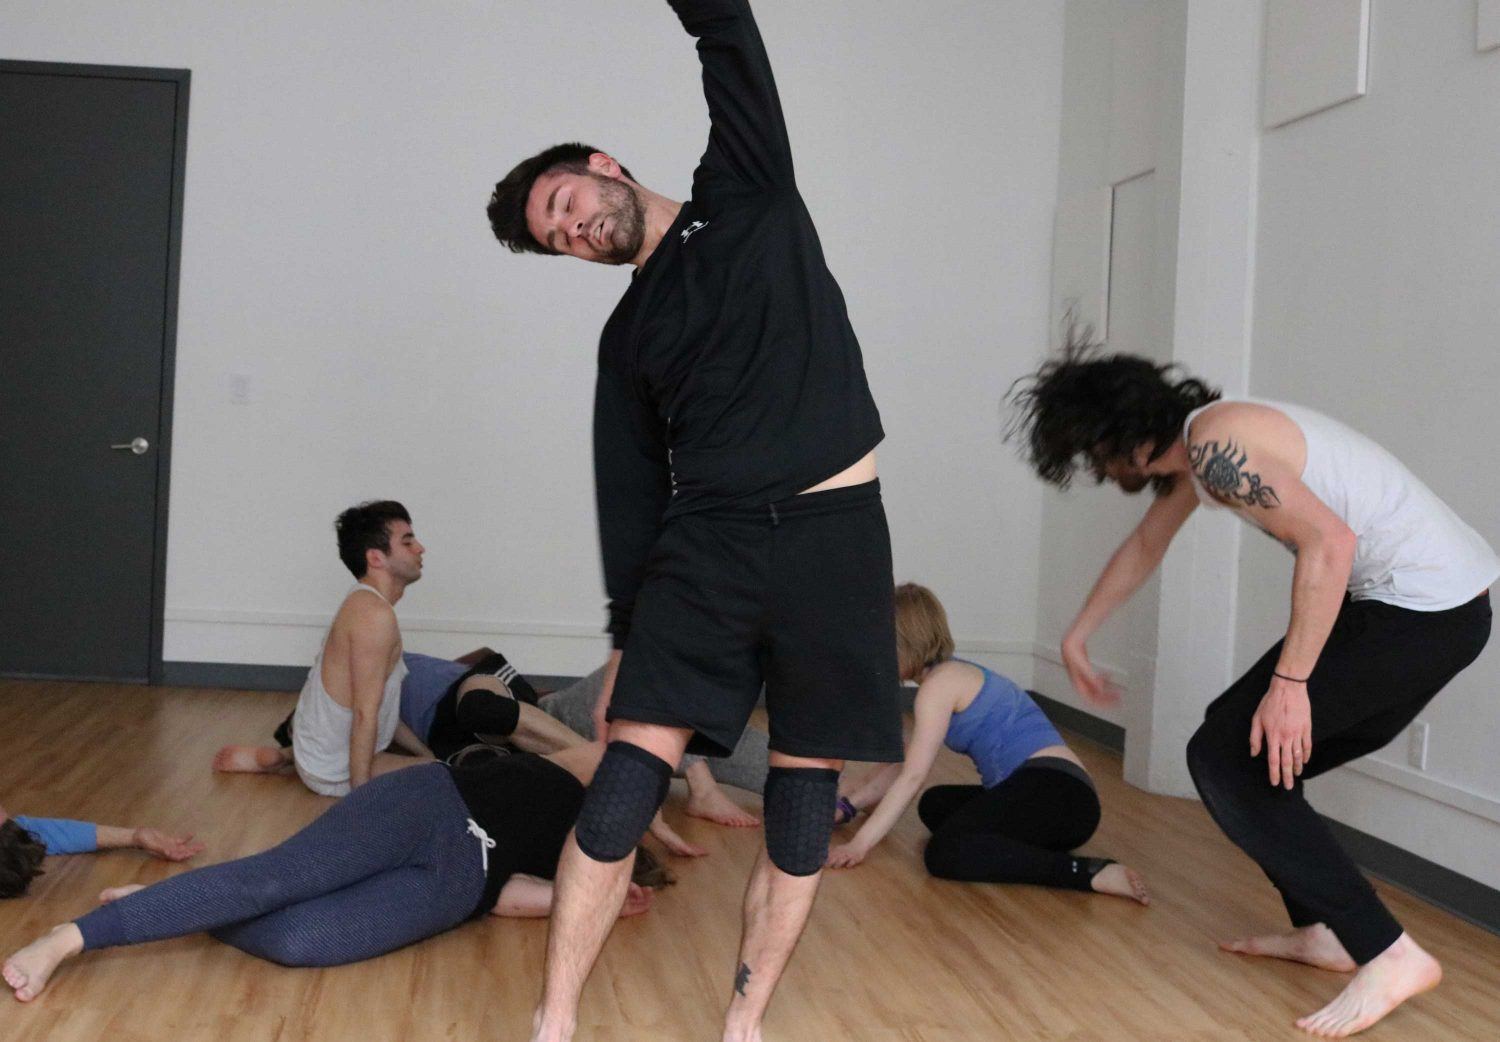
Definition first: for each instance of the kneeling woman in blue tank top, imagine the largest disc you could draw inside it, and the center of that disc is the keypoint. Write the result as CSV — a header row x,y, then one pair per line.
x,y
403,857
1036,804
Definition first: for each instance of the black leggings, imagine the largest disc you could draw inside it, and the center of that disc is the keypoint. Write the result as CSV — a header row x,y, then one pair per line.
x,y
1381,666
1018,831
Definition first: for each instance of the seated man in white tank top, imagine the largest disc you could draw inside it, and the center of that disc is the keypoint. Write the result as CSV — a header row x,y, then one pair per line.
x,y
1389,602
349,712
350,709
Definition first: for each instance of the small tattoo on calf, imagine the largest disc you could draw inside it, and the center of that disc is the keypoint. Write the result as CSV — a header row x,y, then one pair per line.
x,y
741,978
1223,473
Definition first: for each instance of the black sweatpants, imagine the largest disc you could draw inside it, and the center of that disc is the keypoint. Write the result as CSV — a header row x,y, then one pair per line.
x,y
1381,666
1017,831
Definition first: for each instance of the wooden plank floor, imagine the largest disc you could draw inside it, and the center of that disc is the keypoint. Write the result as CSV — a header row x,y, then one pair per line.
x,y
890,954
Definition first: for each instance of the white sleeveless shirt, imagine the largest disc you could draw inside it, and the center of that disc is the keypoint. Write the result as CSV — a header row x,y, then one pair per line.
x,y
1413,551
320,730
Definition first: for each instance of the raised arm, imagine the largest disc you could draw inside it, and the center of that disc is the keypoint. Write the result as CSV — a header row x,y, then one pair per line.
x,y
1245,468
372,646
934,709
1135,559
747,140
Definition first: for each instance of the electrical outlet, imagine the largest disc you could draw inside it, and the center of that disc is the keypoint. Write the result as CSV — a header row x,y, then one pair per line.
x,y
1416,745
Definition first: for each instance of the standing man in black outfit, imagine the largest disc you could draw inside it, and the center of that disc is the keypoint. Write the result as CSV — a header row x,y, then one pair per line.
x,y
743,536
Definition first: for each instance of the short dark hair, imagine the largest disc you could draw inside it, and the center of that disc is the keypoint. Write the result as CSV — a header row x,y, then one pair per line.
x,y
21,856
507,209
1085,407
363,528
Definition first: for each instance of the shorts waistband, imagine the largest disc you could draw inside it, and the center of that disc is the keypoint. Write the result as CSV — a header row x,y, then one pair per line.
x,y
808,504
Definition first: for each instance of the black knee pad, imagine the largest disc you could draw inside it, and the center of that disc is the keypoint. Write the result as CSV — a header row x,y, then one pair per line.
x,y
627,790
485,712
799,805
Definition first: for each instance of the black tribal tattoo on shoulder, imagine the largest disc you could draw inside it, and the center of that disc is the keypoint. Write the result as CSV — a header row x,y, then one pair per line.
x,y
1223,473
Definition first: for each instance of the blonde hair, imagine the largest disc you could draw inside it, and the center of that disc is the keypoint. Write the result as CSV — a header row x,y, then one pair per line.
x,y
922,635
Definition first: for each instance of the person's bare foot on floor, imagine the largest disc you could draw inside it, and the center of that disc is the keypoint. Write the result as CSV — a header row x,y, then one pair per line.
x,y
1121,881
114,893
1314,945
1395,975
251,759
713,805
28,970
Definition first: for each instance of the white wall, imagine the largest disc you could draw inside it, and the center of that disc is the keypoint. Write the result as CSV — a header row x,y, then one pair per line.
x,y
1111,90
1376,302
335,253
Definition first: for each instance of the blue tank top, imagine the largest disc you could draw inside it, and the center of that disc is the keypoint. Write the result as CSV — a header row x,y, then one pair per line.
x,y
1000,730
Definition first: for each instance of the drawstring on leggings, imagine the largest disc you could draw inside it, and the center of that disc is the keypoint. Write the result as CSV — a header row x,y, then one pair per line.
x,y
485,843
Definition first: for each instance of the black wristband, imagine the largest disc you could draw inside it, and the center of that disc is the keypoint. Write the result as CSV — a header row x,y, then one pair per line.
x,y
1294,680
846,806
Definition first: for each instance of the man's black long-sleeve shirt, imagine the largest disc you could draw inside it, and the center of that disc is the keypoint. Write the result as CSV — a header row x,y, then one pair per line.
x,y
728,372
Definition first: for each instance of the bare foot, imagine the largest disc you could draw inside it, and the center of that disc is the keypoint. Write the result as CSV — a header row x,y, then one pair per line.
x,y
713,805
28,970
1315,945
114,893
251,759
1392,977
1122,881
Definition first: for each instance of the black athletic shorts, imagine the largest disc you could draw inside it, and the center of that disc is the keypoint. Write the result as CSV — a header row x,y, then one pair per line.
x,y
797,595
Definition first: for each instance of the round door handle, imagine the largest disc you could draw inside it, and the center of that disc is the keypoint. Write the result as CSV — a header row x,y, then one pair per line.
x,y
135,445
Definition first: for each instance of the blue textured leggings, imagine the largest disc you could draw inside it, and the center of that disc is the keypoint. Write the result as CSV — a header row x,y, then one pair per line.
x,y
391,863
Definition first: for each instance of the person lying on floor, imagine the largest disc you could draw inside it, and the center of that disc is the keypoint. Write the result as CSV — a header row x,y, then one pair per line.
x,y
404,857
24,841
439,705
1036,802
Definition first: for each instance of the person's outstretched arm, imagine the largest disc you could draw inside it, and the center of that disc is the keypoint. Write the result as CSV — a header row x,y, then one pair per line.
x,y
66,836
1137,557
935,701
154,841
747,140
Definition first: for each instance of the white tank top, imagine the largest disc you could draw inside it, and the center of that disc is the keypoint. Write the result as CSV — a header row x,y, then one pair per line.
x,y
1413,551
320,731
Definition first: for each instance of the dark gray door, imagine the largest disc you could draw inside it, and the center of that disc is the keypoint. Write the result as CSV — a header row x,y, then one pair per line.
x,y
91,167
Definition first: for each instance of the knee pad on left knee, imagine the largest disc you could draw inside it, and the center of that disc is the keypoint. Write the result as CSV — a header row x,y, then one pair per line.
x,y
799,804
628,788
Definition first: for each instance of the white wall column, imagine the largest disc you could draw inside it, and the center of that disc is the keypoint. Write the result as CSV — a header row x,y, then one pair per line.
x,y
1206,167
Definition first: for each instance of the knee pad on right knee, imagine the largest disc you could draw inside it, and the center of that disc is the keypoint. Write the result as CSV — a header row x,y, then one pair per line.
x,y
486,712
628,789
799,804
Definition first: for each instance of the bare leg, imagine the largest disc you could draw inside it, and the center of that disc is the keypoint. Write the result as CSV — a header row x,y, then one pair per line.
x,y
706,800
776,909
587,900
1315,945
28,970
1400,972
1121,881
252,759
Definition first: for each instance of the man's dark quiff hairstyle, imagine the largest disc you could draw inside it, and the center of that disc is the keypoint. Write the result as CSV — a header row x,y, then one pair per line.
x,y
366,527
507,208
1083,408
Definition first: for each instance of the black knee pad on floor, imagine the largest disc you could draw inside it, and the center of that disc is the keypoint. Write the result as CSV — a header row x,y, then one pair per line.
x,y
485,712
627,790
799,805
